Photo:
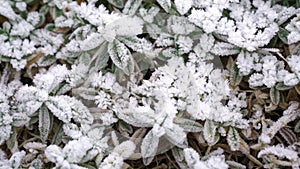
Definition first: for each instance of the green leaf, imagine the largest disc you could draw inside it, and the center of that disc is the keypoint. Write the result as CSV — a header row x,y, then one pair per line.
x,y
50,26
281,86
178,154
55,12
117,3
121,56
41,21
45,123
46,60
59,132
233,139
210,132
235,77
189,125
44,9
283,34
125,126
275,95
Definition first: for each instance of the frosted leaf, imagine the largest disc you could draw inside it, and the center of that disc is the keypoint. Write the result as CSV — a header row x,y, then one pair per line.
x,y
165,4
207,42
184,43
288,115
51,79
149,145
66,108
35,146
7,11
213,161
49,42
72,130
22,29
89,12
245,62
256,79
33,18
121,56
290,79
103,100
191,156
183,6
280,151
113,161
117,3
209,132
77,74
180,25
216,162
293,27
18,64
294,62
30,99
123,26
137,44
54,154
224,49
92,41
206,19
233,139
5,133
21,6
131,7
148,15
125,149
176,135
188,125
80,150
140,116
16,159
44,123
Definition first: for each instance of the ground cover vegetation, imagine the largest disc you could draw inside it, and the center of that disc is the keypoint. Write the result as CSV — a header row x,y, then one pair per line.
x,y
113,84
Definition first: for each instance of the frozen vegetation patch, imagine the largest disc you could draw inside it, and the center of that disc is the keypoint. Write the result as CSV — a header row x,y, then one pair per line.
x,y
117,84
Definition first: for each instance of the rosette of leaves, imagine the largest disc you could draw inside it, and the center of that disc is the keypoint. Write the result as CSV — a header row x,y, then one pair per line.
x,y
42,101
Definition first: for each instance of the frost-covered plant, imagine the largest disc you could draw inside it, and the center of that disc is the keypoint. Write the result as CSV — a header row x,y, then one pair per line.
x,y
293,27
175,96
214,160
13,162
279,155
77,74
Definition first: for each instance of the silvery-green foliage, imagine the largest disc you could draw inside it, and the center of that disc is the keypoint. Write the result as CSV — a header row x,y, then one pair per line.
x,y
40,99
107,51
155,104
